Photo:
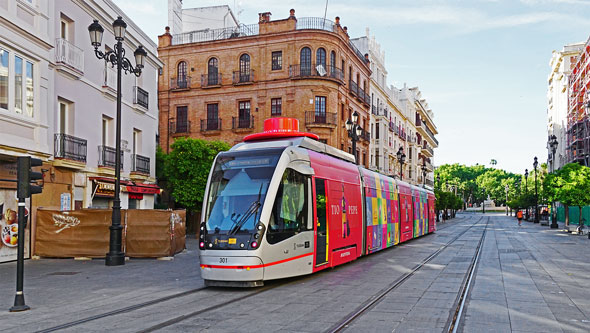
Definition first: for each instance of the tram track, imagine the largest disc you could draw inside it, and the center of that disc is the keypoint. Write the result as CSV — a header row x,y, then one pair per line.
x,y
376,298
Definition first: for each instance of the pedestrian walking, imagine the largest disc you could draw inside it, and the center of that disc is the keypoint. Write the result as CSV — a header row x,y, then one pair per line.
x,y
519,217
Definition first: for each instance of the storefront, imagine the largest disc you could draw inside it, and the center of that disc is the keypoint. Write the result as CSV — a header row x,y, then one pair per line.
x,y
133,195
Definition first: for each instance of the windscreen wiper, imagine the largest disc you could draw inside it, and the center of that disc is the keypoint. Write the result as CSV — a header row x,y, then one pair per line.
x,y
253,209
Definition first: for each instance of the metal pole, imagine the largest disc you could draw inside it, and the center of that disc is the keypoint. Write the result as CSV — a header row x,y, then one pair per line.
x,y
116,257
354,138
19,298
536,199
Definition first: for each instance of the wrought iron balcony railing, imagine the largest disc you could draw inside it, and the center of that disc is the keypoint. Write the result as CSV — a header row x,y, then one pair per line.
x,y
140,164
106,156
70,147
210,80
320,71
210,124
179,127
67,53
180,83
328,118
140,97
242,122
243,77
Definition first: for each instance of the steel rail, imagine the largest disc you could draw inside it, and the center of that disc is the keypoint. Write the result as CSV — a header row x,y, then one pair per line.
x,y
455,318
374,299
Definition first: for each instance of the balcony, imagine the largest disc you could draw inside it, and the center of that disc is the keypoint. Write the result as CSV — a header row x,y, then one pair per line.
x,y
319,71
210,80
427,151
140,97
68,54
365,135
180,83
210,124
238,123
69,147
140,164
106,157
179,127
328,119
353,88
243,77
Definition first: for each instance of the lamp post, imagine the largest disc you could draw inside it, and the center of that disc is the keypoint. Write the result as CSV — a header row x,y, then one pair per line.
x,y
354,131
116,57
535,164
423,173
553,146
401,157
437,211
483,204
526,191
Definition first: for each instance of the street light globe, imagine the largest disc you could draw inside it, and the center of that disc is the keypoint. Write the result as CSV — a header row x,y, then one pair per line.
x,y
119,27
95,30
535,163
355,117
140,55
358,131
348,125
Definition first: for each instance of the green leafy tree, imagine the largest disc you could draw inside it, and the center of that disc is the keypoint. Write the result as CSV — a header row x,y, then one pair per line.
x,y
569,185
187,168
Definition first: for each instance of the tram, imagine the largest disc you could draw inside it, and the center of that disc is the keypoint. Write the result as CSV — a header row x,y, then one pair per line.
x,y
282,204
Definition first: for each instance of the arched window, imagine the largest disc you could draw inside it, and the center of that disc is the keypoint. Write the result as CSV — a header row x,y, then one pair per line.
x,y
305,61
245,68
332,70
212,72
320,57
181,77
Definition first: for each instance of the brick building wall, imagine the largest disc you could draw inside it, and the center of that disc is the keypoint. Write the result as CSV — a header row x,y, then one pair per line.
x,y
300,88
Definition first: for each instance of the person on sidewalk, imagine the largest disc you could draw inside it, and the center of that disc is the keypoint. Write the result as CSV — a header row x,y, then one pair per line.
x,y
519,217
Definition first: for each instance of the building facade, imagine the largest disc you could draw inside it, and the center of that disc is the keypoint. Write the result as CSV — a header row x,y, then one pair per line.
x,y
397,123
58,103
561,64
223,84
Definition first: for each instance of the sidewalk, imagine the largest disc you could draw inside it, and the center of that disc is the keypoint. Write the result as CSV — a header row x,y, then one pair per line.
x,y
57,288
530,279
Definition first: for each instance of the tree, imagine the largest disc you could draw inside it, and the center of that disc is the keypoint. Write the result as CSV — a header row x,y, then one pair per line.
x,y
187,169
569,185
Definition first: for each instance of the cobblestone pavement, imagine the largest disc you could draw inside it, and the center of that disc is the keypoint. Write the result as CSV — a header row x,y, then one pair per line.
x,y
529,278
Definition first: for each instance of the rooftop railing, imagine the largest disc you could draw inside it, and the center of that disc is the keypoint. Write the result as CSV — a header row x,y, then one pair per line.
x,y
206,35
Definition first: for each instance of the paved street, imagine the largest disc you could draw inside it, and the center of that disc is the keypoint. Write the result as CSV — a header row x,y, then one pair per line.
x,y
528,279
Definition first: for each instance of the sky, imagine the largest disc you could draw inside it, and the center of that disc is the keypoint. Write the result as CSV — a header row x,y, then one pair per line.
x,y
481,65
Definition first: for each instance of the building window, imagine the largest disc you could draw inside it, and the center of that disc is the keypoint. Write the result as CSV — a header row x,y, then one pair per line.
x,y
305,61
3,79
29,89
277,60
244,114
106,130
212,71
181,72
245,68
212,116
320,57
181,119
136,147
320,109
18,85
64,117
333,59
276,106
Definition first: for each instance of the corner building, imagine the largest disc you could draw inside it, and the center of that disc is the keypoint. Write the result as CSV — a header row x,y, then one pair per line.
x,y
222,84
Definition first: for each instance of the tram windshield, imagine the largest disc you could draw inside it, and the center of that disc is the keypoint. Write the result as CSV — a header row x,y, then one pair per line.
x,y
239,184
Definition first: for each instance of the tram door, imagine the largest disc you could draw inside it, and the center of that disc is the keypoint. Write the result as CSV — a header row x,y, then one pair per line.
x,y
321,238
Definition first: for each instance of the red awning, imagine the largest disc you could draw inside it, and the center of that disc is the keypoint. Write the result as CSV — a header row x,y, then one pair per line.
x,y
143,188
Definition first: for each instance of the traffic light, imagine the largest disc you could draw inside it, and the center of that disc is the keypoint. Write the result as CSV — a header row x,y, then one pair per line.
x,y
25,176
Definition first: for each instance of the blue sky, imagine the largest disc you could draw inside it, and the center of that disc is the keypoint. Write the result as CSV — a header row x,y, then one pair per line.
x,y
482,65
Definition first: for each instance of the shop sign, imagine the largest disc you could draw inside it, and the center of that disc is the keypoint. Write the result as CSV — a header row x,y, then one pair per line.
x,y
65,201
9,226
136,196
143,190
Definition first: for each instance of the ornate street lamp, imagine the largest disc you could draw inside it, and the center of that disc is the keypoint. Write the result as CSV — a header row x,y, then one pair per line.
x,y
401,157
116,257
526,191
535,164
553,146
354,131
506,188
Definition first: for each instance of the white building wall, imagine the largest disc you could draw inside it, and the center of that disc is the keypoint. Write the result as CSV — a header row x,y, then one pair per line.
x,y
24,34
90,97
557,98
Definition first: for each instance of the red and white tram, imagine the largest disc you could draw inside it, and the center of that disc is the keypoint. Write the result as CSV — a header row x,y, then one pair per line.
x,y
282,204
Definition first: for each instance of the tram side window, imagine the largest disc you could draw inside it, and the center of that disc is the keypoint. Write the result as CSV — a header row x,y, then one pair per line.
x,y
290,211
